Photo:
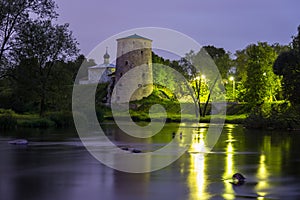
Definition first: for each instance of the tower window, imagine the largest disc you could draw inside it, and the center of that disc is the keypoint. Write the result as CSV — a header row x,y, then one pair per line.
x,y
139,85
142,52
126,62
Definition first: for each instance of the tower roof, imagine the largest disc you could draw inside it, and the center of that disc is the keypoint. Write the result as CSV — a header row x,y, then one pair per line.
x,y
134,36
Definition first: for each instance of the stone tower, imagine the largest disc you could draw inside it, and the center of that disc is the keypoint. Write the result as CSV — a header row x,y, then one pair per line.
x,y
133,52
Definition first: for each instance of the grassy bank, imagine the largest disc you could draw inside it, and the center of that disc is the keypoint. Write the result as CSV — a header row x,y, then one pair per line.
x,y
139,110
10,119
231,119
277,115
64,119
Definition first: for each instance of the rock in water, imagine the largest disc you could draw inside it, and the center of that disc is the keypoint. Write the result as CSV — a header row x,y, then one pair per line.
x,y
125,148
136,151
238,179
19,142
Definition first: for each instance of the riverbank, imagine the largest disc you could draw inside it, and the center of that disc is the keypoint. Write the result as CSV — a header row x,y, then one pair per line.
x,y
9,119
231,119
278,118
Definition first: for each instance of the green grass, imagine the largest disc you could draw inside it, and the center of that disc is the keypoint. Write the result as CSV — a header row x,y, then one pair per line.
x,y
10,119
36,123
63,120
236,119
172,117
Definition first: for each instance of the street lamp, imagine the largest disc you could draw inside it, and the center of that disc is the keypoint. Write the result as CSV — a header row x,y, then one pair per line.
x,y
231,78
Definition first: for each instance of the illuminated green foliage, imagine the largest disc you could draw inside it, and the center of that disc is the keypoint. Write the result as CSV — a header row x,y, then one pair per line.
x,y
261,84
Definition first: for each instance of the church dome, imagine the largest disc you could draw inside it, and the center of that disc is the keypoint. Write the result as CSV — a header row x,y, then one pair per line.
x,y
106,55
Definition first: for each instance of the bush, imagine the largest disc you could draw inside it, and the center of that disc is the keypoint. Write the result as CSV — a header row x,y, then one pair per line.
x,y
61,119
237,108
100,112
7,121
276,116
5,111
36,123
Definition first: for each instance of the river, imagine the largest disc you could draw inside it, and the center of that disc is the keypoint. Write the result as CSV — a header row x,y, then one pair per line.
x,y
55,165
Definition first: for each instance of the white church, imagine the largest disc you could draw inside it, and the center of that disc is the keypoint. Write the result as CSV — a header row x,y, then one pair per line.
x,y
106,69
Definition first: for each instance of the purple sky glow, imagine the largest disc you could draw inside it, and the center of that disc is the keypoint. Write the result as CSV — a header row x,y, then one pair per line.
x,y
231,24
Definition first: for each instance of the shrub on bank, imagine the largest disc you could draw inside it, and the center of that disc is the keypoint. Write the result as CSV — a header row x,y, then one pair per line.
x,y
100,113
6,111
61,119
276,116
7,121
237,108
36,123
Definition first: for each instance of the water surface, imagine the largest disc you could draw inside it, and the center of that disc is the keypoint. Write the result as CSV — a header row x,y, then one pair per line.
x,y
55,165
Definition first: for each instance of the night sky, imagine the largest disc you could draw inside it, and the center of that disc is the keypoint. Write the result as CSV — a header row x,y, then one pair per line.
x,y
231,24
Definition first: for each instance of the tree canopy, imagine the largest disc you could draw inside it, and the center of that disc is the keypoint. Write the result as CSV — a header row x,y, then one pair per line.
x,y
34,52
221,58
261,83
287,65
13,15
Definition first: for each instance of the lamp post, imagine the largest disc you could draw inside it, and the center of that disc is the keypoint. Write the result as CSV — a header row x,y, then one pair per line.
x,y
231,78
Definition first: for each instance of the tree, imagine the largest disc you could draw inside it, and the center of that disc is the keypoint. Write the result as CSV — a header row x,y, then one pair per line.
x,y
261,83
168,78
203,74
287,65
83,63
221,58
159,74
22,89
241,63
24,85
13,15
43,44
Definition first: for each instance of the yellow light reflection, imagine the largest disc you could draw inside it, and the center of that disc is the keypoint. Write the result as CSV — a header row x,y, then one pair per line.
x,y
196,178
262,175
229,169
262,172
230,126
229,160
